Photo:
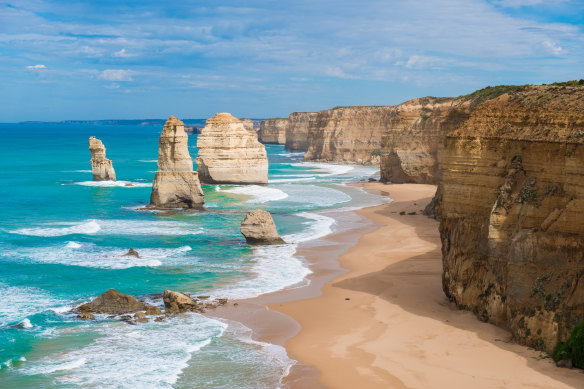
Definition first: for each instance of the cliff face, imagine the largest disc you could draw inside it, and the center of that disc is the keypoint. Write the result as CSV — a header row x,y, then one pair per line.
x,y
348,134
230,154
512,211
101,167
297,130
273,131
175,184
411,144
248,124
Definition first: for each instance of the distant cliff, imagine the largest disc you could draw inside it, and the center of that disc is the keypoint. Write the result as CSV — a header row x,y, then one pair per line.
x,y
273,130
297,130
512,209
411,143
348,134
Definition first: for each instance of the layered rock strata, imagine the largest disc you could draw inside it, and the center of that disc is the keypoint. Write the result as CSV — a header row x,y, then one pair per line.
x,y
348,134
248,124
297,131
101,167
512,211
258,227
175,185
230,154
411,143
273,131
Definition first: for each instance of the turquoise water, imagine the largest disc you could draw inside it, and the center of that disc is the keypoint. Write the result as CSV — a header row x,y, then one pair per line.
x,y
62,235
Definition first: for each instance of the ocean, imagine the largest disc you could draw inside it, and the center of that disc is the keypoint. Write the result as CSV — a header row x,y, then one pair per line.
x,y
61,240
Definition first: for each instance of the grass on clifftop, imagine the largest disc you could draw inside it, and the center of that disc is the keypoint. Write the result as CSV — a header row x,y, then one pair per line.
x,y
492,92
573,349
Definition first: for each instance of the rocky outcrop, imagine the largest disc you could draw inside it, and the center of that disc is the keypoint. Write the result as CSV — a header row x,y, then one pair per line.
x,y
248,124
175,184
258,227
230,154
176,302
101,167
512,210
114,303
411,143
297,131
273,131
131,253
348,134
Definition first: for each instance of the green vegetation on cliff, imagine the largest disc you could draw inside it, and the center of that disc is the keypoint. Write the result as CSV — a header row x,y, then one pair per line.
x,y
573,349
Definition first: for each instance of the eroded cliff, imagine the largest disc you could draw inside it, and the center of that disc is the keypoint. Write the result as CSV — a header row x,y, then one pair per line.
x,y
273,131
512,210
348,134
101,167
411,144
297,130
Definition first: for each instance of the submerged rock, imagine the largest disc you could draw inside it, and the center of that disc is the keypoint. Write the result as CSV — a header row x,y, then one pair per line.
x,y
86,316
101,167
153,311
131,253
230,154
258,227
113,302
176,185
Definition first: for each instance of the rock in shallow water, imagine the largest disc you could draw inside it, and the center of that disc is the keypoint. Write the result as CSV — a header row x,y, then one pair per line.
x,y
258,227
101,167
131,253
113,302
176,185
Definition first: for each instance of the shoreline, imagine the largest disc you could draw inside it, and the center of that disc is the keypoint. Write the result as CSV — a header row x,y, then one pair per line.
x,y
374,314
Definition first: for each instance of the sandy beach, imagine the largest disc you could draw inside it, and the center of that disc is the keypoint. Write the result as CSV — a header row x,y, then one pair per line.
x,y
387,324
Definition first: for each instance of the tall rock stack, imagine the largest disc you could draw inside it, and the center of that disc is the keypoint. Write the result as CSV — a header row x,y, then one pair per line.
x,y
230,154
176,185
297,130
248,124
101,167
273,130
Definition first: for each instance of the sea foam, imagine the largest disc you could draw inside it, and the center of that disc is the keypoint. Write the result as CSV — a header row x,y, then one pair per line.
x,y
260,194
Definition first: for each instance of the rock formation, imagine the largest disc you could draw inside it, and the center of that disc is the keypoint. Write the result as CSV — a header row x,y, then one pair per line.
x,y
131,253
512,209
175,184
273,131
101,167
348,134
248,124
297,130
114,303
412,141
176,302
258,227
230,154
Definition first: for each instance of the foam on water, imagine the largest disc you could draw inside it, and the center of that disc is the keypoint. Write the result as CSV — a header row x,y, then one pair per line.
x,y
26,324
318,226
94,256
314,195
19,302
109,184
113,227
72,245
148,160
299,179
260,194
151,355
328,169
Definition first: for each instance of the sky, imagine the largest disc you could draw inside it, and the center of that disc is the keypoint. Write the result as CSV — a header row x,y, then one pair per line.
x,y
129,59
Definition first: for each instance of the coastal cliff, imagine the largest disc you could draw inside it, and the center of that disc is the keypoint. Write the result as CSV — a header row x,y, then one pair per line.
x,y
175,185
512,209
273,131
348,134
101,167
230,154
411,144
297,130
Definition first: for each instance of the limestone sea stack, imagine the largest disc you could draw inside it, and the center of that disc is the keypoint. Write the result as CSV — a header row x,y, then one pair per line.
x,y
248,124
258,227
101,167
230,154
176,185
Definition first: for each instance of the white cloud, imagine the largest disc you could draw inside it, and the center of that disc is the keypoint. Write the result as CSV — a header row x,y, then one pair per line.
x,y
525,3
122,54
116,75
552,47
36,67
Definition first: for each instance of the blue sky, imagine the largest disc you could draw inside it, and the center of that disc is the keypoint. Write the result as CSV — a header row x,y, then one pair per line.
x,y
149,59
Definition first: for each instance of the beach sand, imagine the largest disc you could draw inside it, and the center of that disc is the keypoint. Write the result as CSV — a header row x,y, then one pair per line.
x,y
374,314
387,324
